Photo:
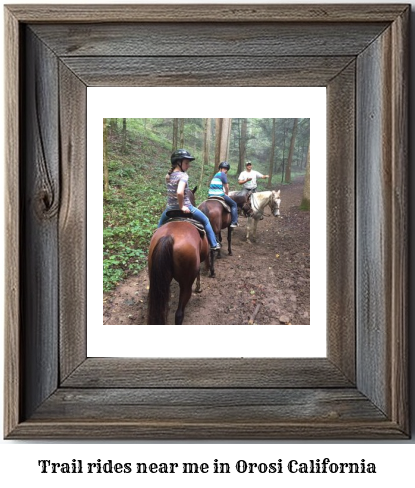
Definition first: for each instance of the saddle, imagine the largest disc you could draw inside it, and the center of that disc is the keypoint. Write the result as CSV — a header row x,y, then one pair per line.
x,y
179,216
222,201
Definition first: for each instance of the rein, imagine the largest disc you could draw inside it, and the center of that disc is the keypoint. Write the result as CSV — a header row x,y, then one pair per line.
x,y
256,206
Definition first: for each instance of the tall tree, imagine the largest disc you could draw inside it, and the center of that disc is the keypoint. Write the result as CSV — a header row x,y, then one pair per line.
x,y
291,153
222,133
283,152
242,146
305,204
124,136
113,125
272,156
106,176
175,134
206,145
181,132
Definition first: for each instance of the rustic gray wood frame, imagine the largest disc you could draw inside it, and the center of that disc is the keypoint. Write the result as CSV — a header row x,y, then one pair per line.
x,y
53,53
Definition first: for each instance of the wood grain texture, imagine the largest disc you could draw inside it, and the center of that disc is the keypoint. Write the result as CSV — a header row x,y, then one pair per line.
x,y
400,233
72,222
209,405
40,206
341,236
206,373
373,226
12,371
207,71
207,13
53,391
382,222
236,39
148,430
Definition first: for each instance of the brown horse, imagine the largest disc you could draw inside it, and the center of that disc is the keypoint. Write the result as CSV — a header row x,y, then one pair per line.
x,y
219,219
242,199
176,252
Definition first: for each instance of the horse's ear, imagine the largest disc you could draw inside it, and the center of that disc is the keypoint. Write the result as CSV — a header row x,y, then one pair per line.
x,y
194,190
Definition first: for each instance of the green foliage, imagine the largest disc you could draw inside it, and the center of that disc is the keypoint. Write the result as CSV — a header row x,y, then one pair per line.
x,y
259,143
137,163
136,199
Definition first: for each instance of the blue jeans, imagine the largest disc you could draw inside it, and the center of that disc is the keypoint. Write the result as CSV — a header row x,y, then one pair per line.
x,y
234,208
200,217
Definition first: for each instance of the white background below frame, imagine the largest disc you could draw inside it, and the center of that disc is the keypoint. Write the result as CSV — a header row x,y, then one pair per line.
x,y
213,340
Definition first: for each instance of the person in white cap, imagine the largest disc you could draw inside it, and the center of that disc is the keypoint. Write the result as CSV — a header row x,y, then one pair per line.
x,y
248,178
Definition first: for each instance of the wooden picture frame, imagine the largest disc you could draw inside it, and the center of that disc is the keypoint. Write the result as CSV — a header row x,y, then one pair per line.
x,y
359,391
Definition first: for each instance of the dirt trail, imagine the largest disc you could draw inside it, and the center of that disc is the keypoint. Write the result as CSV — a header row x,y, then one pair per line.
x,y
273,272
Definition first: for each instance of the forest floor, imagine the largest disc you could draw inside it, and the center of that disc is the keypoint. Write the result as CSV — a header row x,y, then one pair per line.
x,y
271,276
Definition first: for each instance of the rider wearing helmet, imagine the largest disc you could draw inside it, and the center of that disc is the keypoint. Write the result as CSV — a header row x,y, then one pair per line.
x,y
177,193
219,187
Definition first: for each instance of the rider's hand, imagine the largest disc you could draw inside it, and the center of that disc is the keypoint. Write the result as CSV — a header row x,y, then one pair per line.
x,y
185,209
248,179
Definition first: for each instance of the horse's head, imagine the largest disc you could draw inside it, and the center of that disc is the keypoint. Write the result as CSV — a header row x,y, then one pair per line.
x,y
275,203
247,209
191,195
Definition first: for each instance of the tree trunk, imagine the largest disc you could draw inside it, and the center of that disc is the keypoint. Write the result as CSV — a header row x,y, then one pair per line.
x,y
303,163
305,204
218,132
229,139
283,153
181,133
124,136
242,146
206,145
113,126
271,159
291,153
106,176
222,138
175,134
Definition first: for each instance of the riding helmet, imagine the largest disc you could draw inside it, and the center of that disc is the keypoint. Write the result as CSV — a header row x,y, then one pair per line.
x,y
225,165
180,154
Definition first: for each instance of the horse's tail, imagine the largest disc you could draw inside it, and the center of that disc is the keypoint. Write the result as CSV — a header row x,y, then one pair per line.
x,y
161,274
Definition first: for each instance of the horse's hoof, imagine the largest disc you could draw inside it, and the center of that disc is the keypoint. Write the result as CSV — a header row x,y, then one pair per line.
x,y
230,253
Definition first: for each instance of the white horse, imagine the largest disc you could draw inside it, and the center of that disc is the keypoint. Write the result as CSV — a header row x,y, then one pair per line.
x,y
258,203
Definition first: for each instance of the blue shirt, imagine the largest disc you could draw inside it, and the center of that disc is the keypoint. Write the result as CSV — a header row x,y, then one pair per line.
x,y
216,185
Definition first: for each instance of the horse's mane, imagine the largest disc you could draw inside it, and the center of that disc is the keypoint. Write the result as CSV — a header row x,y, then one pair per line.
x,y
257,203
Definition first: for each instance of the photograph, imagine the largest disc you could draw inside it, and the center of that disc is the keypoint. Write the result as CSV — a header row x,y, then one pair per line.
x,y
247,384
206,221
